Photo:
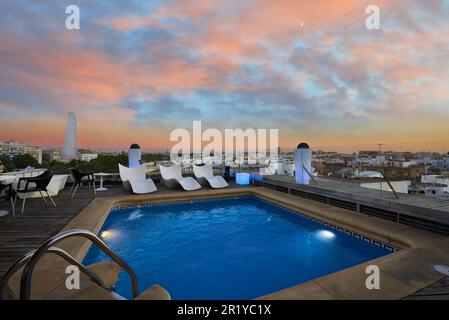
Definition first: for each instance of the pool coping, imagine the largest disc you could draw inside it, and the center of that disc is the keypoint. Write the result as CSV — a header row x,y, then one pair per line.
x,y
330,226
401,273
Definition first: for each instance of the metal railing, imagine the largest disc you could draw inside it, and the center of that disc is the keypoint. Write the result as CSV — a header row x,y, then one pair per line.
x,y
19,263
31,259
310,175
25,283
390,185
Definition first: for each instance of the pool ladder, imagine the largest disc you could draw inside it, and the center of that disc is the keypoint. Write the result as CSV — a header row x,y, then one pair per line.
x,y
31,259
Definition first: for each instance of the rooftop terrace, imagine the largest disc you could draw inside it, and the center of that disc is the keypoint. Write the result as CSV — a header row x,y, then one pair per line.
x,y
39,222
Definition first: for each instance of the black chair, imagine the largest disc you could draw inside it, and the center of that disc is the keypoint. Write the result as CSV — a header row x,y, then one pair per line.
x,y
78,177
9,195
34,184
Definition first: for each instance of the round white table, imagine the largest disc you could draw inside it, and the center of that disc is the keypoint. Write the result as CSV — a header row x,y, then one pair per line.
x,y
101,175
6,180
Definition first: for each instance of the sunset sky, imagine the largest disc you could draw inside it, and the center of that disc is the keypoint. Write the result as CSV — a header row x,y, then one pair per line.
x,y
138,69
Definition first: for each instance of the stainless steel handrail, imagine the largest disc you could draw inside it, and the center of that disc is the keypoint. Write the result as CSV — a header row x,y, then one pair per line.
x,y
390,185
67,257
25,283
13,269
310,175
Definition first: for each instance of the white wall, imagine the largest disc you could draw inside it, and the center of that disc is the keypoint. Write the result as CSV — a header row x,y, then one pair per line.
x,y
399,186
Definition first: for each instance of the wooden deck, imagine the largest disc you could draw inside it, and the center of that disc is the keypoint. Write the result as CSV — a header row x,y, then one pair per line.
x,y
437,291
40,221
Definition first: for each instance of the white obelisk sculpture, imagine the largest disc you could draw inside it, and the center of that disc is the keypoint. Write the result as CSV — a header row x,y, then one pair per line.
x,y
70,147
134,156
303,163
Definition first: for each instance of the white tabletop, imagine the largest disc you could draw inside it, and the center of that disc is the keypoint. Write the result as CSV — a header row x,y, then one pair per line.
x,y
7,179
102,174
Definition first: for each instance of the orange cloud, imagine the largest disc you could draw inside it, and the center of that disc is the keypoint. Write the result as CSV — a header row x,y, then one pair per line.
x,y
235,48
91,76
129,22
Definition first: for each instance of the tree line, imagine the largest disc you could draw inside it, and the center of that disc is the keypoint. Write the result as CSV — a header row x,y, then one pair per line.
x,y
104,162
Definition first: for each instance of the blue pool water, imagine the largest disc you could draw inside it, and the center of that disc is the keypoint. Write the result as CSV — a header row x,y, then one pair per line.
x,y
236,248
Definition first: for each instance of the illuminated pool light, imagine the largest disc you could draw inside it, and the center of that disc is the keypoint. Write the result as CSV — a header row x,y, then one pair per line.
x,y
107,234
326,234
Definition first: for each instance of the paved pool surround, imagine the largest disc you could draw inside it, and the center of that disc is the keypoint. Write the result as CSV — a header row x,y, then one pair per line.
x,y
401,273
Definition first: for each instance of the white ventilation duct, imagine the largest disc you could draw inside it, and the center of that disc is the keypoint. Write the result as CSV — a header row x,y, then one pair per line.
x,y
134,156
303,163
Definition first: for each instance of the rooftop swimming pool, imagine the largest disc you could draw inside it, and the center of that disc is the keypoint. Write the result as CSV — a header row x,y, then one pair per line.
x,y
233,248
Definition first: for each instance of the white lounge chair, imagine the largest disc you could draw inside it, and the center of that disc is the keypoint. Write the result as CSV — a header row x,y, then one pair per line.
x,y
135,179
172,177
204,174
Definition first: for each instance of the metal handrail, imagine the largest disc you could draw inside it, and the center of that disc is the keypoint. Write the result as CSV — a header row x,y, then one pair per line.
x,y
25,283
310,175
390,185
58,251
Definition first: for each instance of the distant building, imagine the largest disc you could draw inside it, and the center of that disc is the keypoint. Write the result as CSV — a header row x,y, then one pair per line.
x,y
389,171
35,152
370,174
437,180
319,154
14,148
87,156
345,172
52,155
442,164
380,160
11,148
430,189
446,161
413,173
421,161
401,163
368,153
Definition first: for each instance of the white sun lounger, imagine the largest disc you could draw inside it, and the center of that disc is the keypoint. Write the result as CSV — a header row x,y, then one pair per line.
x,y
135,179
204,174
172,177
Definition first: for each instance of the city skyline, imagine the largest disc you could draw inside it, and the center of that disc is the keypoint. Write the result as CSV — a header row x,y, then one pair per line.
x,y
372,149
137,70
